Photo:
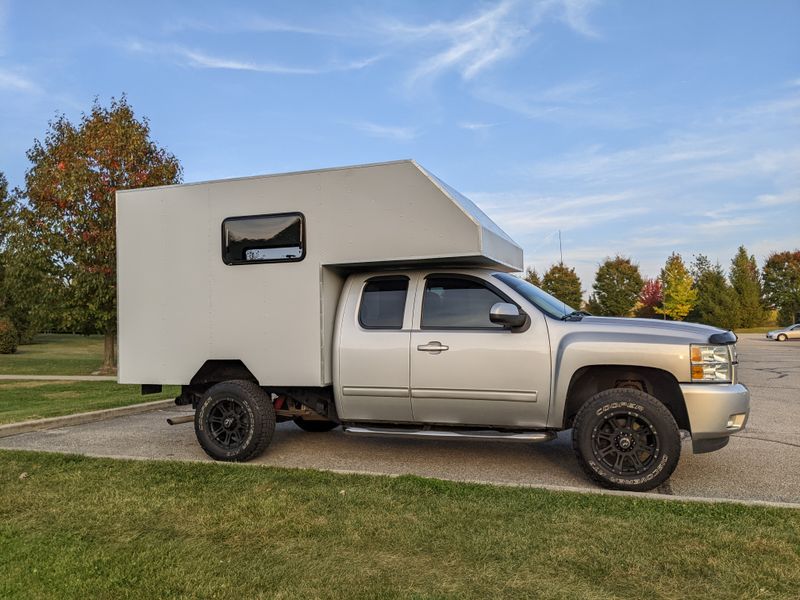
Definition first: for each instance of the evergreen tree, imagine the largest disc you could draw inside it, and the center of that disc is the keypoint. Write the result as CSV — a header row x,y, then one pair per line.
x,y
679,292
616,287
747,286
562,282
717,304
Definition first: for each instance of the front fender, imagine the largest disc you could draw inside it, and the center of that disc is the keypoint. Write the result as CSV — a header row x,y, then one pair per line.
x,y
577,350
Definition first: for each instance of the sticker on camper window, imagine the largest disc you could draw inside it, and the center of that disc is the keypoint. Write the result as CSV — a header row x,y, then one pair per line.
x,y
263,238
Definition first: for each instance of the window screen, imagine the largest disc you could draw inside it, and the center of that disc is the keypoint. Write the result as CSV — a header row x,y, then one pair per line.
x,y
263,238
383,303
453,303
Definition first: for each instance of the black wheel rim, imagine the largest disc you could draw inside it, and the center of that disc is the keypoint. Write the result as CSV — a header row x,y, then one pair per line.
x,y
228,423
625,443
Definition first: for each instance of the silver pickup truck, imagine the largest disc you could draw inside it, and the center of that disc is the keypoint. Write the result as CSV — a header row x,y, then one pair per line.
x,y
473,353
379,299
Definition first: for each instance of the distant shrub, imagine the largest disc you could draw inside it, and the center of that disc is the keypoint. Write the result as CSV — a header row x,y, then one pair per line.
x,y
8,336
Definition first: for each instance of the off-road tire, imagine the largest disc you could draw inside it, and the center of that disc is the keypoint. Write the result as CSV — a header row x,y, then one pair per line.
x,y
605,428
254,421
314,425
783,337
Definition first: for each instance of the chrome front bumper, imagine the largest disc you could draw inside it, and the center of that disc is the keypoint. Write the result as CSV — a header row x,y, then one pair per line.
x,y
715,412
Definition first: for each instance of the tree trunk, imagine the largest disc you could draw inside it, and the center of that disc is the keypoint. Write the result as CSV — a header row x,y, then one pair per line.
x,y
110,353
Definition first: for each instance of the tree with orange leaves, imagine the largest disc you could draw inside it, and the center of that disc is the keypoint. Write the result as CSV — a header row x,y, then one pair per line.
x,y
70,196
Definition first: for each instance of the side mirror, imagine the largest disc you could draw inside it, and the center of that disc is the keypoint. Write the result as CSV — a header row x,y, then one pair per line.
x,y
507,314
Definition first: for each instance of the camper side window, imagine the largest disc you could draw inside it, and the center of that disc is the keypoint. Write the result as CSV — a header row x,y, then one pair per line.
x,y
263,239
383,303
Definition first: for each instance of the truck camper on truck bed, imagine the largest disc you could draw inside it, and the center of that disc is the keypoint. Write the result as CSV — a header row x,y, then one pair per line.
x,y
379,299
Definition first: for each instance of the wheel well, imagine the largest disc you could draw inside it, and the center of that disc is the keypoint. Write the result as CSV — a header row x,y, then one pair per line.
x,y
587,381
214,371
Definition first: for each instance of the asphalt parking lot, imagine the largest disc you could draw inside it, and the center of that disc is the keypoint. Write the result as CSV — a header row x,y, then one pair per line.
x,y
761,463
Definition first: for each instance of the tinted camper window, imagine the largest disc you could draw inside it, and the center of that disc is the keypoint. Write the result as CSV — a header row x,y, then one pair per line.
x,y
263,239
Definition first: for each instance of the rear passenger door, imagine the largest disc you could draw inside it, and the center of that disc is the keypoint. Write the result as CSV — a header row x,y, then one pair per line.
x,y
467,370
373,361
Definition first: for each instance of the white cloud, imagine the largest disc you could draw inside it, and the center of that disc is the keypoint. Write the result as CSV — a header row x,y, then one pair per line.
x,y
400,134
202,60
475,126
250,23
15,82
471,45
785,197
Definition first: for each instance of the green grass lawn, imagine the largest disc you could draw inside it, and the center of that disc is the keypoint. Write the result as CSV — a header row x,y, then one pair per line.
x,y
55,354
757,329
73,527
23,400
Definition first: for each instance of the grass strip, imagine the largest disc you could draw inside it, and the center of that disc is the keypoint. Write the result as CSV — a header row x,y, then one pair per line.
x,y
73,527
24,400
55,354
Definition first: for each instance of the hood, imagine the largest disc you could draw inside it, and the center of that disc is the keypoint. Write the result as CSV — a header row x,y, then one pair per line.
x,y
693,332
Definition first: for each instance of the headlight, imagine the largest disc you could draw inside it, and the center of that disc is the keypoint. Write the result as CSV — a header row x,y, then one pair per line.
x,y
712,363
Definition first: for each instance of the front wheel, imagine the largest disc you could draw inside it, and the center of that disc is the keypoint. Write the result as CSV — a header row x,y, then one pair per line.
x,y
782,337
235,421
626,439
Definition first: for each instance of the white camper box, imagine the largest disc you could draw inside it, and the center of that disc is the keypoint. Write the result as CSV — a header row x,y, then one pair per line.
x,y
180,304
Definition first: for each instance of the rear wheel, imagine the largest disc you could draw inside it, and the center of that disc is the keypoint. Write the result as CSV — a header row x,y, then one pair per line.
x,y
235,421
626,439
783,337
314,425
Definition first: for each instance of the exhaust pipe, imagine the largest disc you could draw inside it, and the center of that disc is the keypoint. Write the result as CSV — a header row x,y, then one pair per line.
x,y
179,420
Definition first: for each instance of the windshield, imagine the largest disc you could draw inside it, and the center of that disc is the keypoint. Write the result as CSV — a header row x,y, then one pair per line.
x,y
541,299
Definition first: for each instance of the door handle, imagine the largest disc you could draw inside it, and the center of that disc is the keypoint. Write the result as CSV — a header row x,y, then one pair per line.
x,y
433,347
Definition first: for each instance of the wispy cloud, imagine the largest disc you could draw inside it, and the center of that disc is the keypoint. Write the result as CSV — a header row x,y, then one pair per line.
x,y
785,197
708,185
248,24
572,103
473,44
202,60
390,132
15,82
475,126
531,216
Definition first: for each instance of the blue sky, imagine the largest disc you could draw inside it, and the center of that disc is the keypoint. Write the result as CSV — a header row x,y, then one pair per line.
x,y
633,127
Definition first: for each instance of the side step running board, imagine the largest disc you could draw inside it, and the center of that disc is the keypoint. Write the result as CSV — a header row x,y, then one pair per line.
x,y
432,434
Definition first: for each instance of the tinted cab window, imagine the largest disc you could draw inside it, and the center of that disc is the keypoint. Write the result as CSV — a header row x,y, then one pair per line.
x,y
383,303
455,303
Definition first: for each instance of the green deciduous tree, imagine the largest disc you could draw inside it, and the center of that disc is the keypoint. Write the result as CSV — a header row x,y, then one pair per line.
x,y
531,276
679,293
31,289
70,189
562,282
616,287
747,286
717,303
782,284
6,210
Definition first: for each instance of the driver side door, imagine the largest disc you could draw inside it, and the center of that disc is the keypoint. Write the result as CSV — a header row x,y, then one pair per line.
x,y
467,370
